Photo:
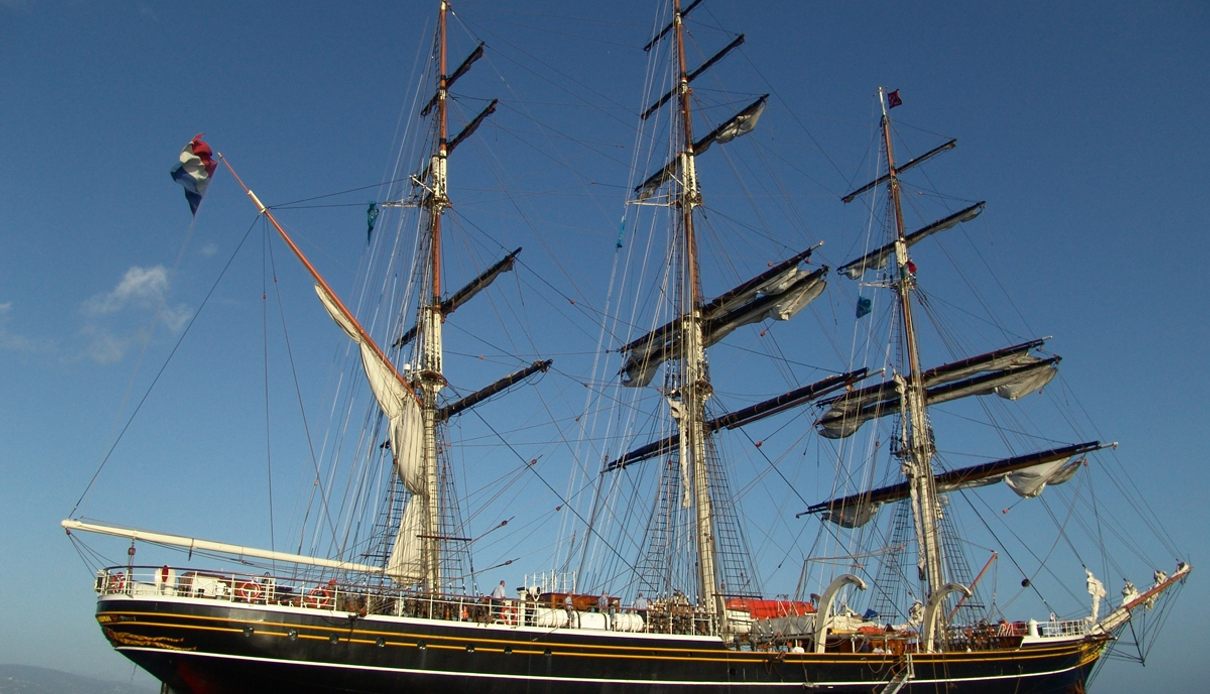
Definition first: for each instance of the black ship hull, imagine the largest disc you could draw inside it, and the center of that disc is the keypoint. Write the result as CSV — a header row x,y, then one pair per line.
x,y
202,647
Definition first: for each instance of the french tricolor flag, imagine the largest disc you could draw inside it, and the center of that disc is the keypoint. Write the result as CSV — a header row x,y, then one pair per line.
x,y
195,170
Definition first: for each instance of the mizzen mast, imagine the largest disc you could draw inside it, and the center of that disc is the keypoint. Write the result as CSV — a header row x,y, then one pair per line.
x,y
915,445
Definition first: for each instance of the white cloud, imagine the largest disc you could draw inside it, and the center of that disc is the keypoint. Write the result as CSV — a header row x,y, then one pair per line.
x,y
12,342
140,286
113,322
105,347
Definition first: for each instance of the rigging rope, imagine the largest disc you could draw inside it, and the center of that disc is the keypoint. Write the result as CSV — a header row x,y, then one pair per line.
x,y
160,372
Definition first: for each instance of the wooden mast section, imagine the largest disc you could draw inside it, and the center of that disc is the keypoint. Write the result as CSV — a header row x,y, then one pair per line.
x,y
694,387
431,378
916,448
425,383
349,319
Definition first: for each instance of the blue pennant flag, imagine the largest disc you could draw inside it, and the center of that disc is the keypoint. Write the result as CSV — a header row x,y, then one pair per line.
x,y
863,306
371,217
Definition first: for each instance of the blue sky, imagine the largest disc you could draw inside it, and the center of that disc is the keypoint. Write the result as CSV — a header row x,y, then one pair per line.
x,y
1081,123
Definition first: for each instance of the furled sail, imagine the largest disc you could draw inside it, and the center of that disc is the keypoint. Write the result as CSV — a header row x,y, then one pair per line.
x,y
1031,482
738,418
1010,373
1027,475
453,77
403,414
877,260
419,177
900,169
468,292
736,43
499,386
778,293
741,123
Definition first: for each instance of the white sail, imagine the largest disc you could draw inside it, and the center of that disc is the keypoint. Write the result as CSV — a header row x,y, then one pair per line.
x,y
1026,384
999,360
1030,482
406,563
1027,482
778,298
1027,475
1012,379
404,416
773,285
677,413
792,293
330,305
396,401
742,124
877,260
853,516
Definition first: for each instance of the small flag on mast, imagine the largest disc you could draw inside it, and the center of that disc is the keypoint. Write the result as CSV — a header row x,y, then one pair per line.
x,y
893,100
863,306
194,170
371,218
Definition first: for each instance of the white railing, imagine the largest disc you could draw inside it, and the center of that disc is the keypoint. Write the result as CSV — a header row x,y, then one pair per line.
x,y
263,589
1065,627
332,595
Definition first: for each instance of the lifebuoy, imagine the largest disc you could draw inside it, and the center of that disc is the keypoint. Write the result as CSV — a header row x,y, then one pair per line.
x,y
320,598
117,582
248,591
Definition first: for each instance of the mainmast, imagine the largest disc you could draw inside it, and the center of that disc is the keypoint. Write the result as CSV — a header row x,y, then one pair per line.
x,y
915,445
778,293
431,379
694,388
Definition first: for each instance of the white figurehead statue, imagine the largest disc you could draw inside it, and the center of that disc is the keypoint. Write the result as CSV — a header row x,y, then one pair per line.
x,y
1096,590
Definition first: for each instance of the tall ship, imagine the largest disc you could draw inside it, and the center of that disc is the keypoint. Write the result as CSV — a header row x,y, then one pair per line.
x,y
664,572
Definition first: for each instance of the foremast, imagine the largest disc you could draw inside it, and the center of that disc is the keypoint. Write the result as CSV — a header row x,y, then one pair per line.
x,y
436,517
430,378
407,398
915,444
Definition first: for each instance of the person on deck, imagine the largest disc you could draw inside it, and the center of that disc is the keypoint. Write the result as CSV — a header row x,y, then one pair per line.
x,y
498,599
640,606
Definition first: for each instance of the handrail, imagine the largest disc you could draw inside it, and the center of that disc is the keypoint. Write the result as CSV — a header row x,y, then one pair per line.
x,y
385,599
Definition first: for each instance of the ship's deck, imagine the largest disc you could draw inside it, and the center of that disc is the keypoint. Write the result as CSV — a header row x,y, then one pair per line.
x,y
788,629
